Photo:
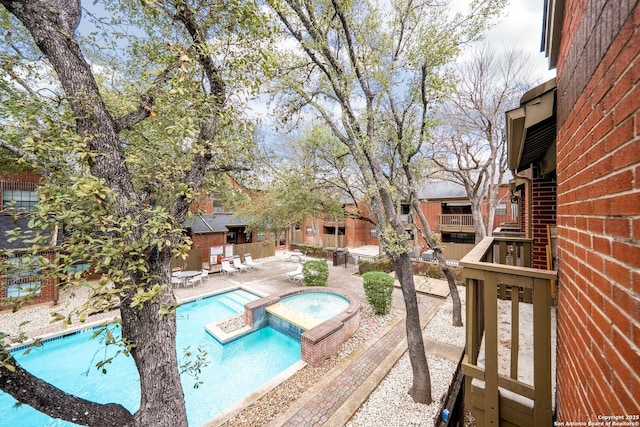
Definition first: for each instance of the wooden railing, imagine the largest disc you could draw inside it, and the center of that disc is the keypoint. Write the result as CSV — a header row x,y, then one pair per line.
x,y
509,230
498,269
456,223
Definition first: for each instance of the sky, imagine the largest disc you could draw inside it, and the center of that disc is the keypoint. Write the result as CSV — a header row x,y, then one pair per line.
x,y
521,26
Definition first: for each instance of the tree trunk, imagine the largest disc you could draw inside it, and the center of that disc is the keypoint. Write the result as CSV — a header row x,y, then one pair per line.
x,y
152,337
456,314
420,391
478,221
154,352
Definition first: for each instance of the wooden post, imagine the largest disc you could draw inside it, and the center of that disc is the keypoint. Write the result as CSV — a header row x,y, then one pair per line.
x,y
542,413
492,395
515,330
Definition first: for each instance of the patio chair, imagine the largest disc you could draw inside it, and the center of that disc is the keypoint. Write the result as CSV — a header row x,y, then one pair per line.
x,y
296,256
291,275
239,265
176,281
249,262
199,278
227,268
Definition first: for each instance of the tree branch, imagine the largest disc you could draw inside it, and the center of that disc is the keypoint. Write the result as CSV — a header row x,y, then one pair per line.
x,y
18,152
56,403
146,102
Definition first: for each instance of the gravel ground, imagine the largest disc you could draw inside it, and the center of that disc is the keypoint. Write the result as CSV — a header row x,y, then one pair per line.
x,y
390,404
37,319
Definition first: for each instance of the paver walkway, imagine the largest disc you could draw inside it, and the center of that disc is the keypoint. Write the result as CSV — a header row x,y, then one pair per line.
x,y
334,400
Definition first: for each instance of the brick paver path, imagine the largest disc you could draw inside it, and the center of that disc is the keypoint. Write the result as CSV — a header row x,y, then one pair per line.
x,y
319,409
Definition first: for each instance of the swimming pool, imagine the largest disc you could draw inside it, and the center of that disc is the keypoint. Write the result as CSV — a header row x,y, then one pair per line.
x,y
322,305
246,363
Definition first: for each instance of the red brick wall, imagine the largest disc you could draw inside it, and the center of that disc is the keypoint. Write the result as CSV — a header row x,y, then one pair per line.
x,y
598,158
543,206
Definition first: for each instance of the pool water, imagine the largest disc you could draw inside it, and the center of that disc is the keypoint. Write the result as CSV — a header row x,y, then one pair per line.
x,y
233,371
321,305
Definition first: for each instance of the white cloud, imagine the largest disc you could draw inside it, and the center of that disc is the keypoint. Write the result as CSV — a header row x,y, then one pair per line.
x,y
521,27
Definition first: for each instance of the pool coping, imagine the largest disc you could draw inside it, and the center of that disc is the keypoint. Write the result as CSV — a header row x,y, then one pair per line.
x,y
112,318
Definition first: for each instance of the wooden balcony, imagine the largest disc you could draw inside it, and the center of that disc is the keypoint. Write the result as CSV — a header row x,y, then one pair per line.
x,y
456,223
510,342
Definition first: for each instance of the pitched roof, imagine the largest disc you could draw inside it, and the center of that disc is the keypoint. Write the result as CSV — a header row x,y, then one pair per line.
x,y
9,223
213,223
437,190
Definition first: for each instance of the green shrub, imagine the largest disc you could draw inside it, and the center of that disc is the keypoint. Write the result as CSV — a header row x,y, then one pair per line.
x,y
316,273
385,265
378,287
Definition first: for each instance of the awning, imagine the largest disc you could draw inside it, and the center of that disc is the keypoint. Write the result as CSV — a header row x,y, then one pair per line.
x,y
531,130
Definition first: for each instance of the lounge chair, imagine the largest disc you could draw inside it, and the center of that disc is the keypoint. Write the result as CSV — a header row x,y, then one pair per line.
x,y
239,265
227,268
296,256
291,275
249,262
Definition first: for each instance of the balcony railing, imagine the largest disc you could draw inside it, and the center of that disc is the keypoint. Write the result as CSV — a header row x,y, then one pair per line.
x,y
509,230
456,223
509,344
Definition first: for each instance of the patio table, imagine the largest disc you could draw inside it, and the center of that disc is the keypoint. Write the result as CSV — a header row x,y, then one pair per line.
x,y
186,275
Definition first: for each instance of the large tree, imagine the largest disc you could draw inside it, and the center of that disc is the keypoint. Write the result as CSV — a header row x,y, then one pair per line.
x,y
471,145
125,143
294,185
355,61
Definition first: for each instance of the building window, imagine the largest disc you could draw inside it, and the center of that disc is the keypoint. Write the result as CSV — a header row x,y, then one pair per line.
x,y
24,277
373,232
501,209
19,200
18,290
260,236
404,209
218,207
232,237
309,231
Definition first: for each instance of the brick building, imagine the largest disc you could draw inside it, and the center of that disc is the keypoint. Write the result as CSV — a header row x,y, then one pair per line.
x,y
445,205
596,51
18,197
574,146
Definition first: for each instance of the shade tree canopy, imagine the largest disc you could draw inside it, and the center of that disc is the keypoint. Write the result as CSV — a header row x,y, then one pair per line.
x,y
126,126
371,73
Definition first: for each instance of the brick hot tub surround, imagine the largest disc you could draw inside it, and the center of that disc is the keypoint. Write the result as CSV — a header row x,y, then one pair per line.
x,y
318,342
